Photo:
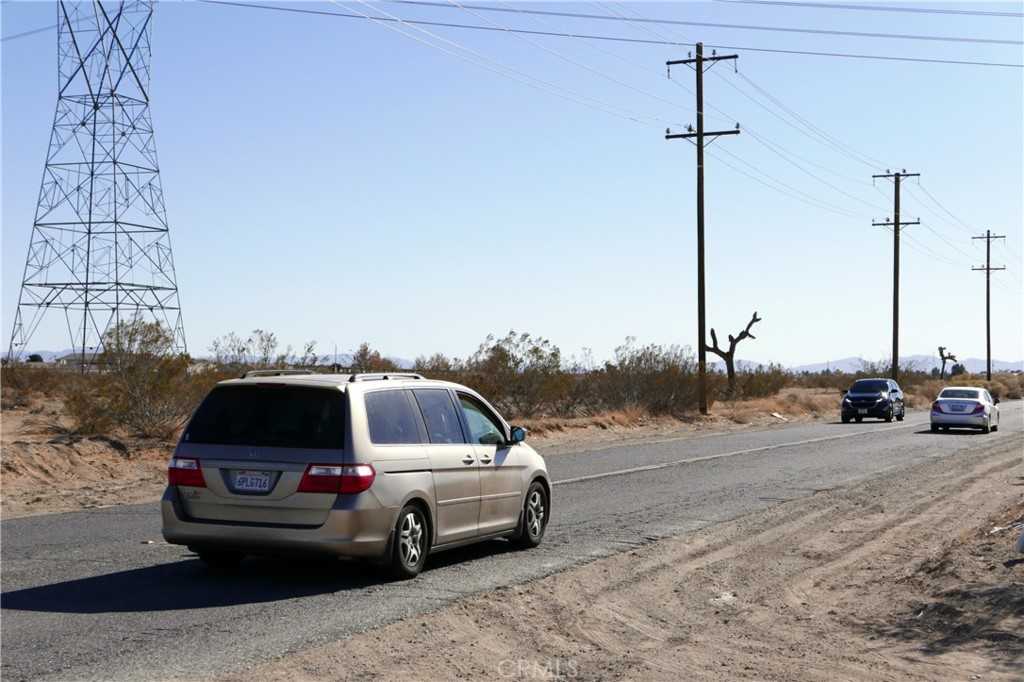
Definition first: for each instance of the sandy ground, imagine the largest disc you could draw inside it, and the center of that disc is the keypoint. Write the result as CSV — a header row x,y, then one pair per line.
x,y
905,577
46,469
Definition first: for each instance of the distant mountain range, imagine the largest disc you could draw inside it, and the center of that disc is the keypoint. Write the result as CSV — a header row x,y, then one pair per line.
x,y
850,364
918,362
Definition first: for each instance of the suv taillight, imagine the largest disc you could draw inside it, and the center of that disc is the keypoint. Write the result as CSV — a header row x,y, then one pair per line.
x,y
344,479
185,471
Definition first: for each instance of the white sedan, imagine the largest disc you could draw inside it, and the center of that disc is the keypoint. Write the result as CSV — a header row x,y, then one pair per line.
x,y
967,407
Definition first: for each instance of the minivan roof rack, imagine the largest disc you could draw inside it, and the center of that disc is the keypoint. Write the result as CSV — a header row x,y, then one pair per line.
x,y
383,376
274,372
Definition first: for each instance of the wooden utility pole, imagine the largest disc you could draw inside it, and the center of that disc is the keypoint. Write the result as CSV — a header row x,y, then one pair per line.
x,y
697,64
988,237
895,224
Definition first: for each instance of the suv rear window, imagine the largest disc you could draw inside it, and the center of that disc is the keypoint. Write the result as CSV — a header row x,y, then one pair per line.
x,y
271,415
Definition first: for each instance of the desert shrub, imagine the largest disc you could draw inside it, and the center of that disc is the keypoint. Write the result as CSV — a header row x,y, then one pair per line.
x,y
929,390
661,379
366,359
259,349
143,387
1003,386
22,382
761,382
520,373
524,376
1014,386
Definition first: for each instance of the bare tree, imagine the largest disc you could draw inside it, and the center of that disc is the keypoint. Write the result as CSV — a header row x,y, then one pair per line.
x,y
945,357
264,346
729,356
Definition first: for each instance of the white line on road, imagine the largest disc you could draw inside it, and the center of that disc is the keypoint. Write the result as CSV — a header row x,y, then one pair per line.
x,y
734,453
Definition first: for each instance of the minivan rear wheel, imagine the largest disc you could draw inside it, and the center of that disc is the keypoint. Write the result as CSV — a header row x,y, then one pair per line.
x,y
411,541
534,517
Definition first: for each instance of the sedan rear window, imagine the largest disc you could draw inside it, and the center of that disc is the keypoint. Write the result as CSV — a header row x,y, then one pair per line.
x,y
270,415
962,393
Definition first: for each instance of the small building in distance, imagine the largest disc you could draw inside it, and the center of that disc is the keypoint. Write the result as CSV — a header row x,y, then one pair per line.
x,y
91,360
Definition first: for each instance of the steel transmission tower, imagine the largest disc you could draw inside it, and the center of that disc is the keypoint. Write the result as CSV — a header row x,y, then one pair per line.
x,y
100,251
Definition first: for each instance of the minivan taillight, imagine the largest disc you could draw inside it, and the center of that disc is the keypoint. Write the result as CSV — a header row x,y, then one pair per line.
x,y
344,479
185,471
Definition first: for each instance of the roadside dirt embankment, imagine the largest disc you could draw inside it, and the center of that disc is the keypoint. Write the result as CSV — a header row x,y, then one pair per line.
x,y
908,576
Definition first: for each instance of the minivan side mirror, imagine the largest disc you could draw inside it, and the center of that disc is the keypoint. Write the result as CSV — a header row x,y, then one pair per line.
x,y
518,434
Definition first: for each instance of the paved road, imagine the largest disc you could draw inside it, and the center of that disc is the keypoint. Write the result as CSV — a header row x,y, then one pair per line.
x,y
84,596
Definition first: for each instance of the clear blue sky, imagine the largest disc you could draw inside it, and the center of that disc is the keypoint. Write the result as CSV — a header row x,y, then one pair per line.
x,y
331,179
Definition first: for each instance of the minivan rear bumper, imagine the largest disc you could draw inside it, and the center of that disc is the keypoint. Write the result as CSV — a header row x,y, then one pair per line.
x,y
362,533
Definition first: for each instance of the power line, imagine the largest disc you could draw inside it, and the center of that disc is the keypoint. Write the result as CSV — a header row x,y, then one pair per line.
x,y
572,61
483,61
819,135
785,157
817,165
24,34
877,8
940,205
738,27
621,39
789,190
548,87
76,22
854,55
832,140
777,149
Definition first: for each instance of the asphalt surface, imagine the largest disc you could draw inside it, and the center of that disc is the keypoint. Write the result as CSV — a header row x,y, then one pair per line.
x,y
99,595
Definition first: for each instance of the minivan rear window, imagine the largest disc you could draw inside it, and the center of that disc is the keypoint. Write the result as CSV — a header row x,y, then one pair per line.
x,y
270,415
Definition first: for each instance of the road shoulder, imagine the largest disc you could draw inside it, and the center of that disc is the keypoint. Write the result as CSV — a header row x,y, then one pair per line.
x,y
900,577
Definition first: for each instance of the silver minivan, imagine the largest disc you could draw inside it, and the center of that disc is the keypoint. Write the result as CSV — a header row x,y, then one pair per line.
x,y
389,467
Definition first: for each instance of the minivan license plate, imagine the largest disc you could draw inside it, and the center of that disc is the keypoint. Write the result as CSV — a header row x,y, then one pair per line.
x,y
252,481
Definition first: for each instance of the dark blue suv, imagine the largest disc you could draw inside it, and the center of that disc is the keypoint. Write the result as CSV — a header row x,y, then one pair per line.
x,y
875,398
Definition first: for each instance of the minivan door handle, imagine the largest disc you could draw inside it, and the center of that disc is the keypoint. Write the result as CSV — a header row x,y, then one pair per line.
x,y
468,460
485,461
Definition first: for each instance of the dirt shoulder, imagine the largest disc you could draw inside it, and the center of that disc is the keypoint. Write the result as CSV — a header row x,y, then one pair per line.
x,y
44,468
901,577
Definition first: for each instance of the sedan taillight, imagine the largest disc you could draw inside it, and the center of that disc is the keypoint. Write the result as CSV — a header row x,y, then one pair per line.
x,y
936,406
185,471
344,479
978,409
